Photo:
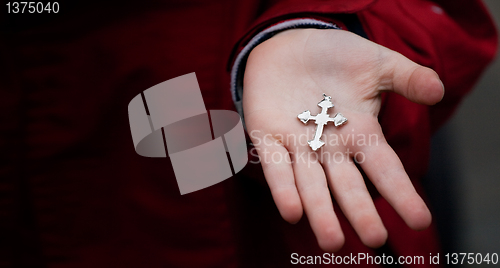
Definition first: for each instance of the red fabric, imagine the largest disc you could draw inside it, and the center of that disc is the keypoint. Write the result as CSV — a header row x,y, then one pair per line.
x,y
73,191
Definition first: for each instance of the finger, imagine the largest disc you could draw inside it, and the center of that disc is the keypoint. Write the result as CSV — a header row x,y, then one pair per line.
x,y
317,203
350,192
277,167
387,173
415,82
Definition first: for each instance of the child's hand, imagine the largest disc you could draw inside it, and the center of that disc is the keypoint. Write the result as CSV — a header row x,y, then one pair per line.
x,y
287,75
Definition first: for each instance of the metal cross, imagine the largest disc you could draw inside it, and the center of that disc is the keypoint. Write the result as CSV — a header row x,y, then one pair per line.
x,y
321,120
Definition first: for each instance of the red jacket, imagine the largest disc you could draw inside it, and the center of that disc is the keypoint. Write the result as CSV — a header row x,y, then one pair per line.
x,y
73,191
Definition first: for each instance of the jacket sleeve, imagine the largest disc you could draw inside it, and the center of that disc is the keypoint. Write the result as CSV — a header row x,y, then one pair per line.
x,y
458,41
467,58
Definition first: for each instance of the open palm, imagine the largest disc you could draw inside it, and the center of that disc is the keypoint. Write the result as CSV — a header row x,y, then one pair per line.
x,y
287,75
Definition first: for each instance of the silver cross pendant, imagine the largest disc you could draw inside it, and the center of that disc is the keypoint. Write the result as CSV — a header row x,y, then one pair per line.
x,y
321,120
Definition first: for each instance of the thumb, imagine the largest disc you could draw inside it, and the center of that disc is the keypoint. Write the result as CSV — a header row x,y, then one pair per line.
x,y
415,82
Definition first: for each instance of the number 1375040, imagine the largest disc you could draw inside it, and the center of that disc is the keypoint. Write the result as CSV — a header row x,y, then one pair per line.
x,y
471,258
32,7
